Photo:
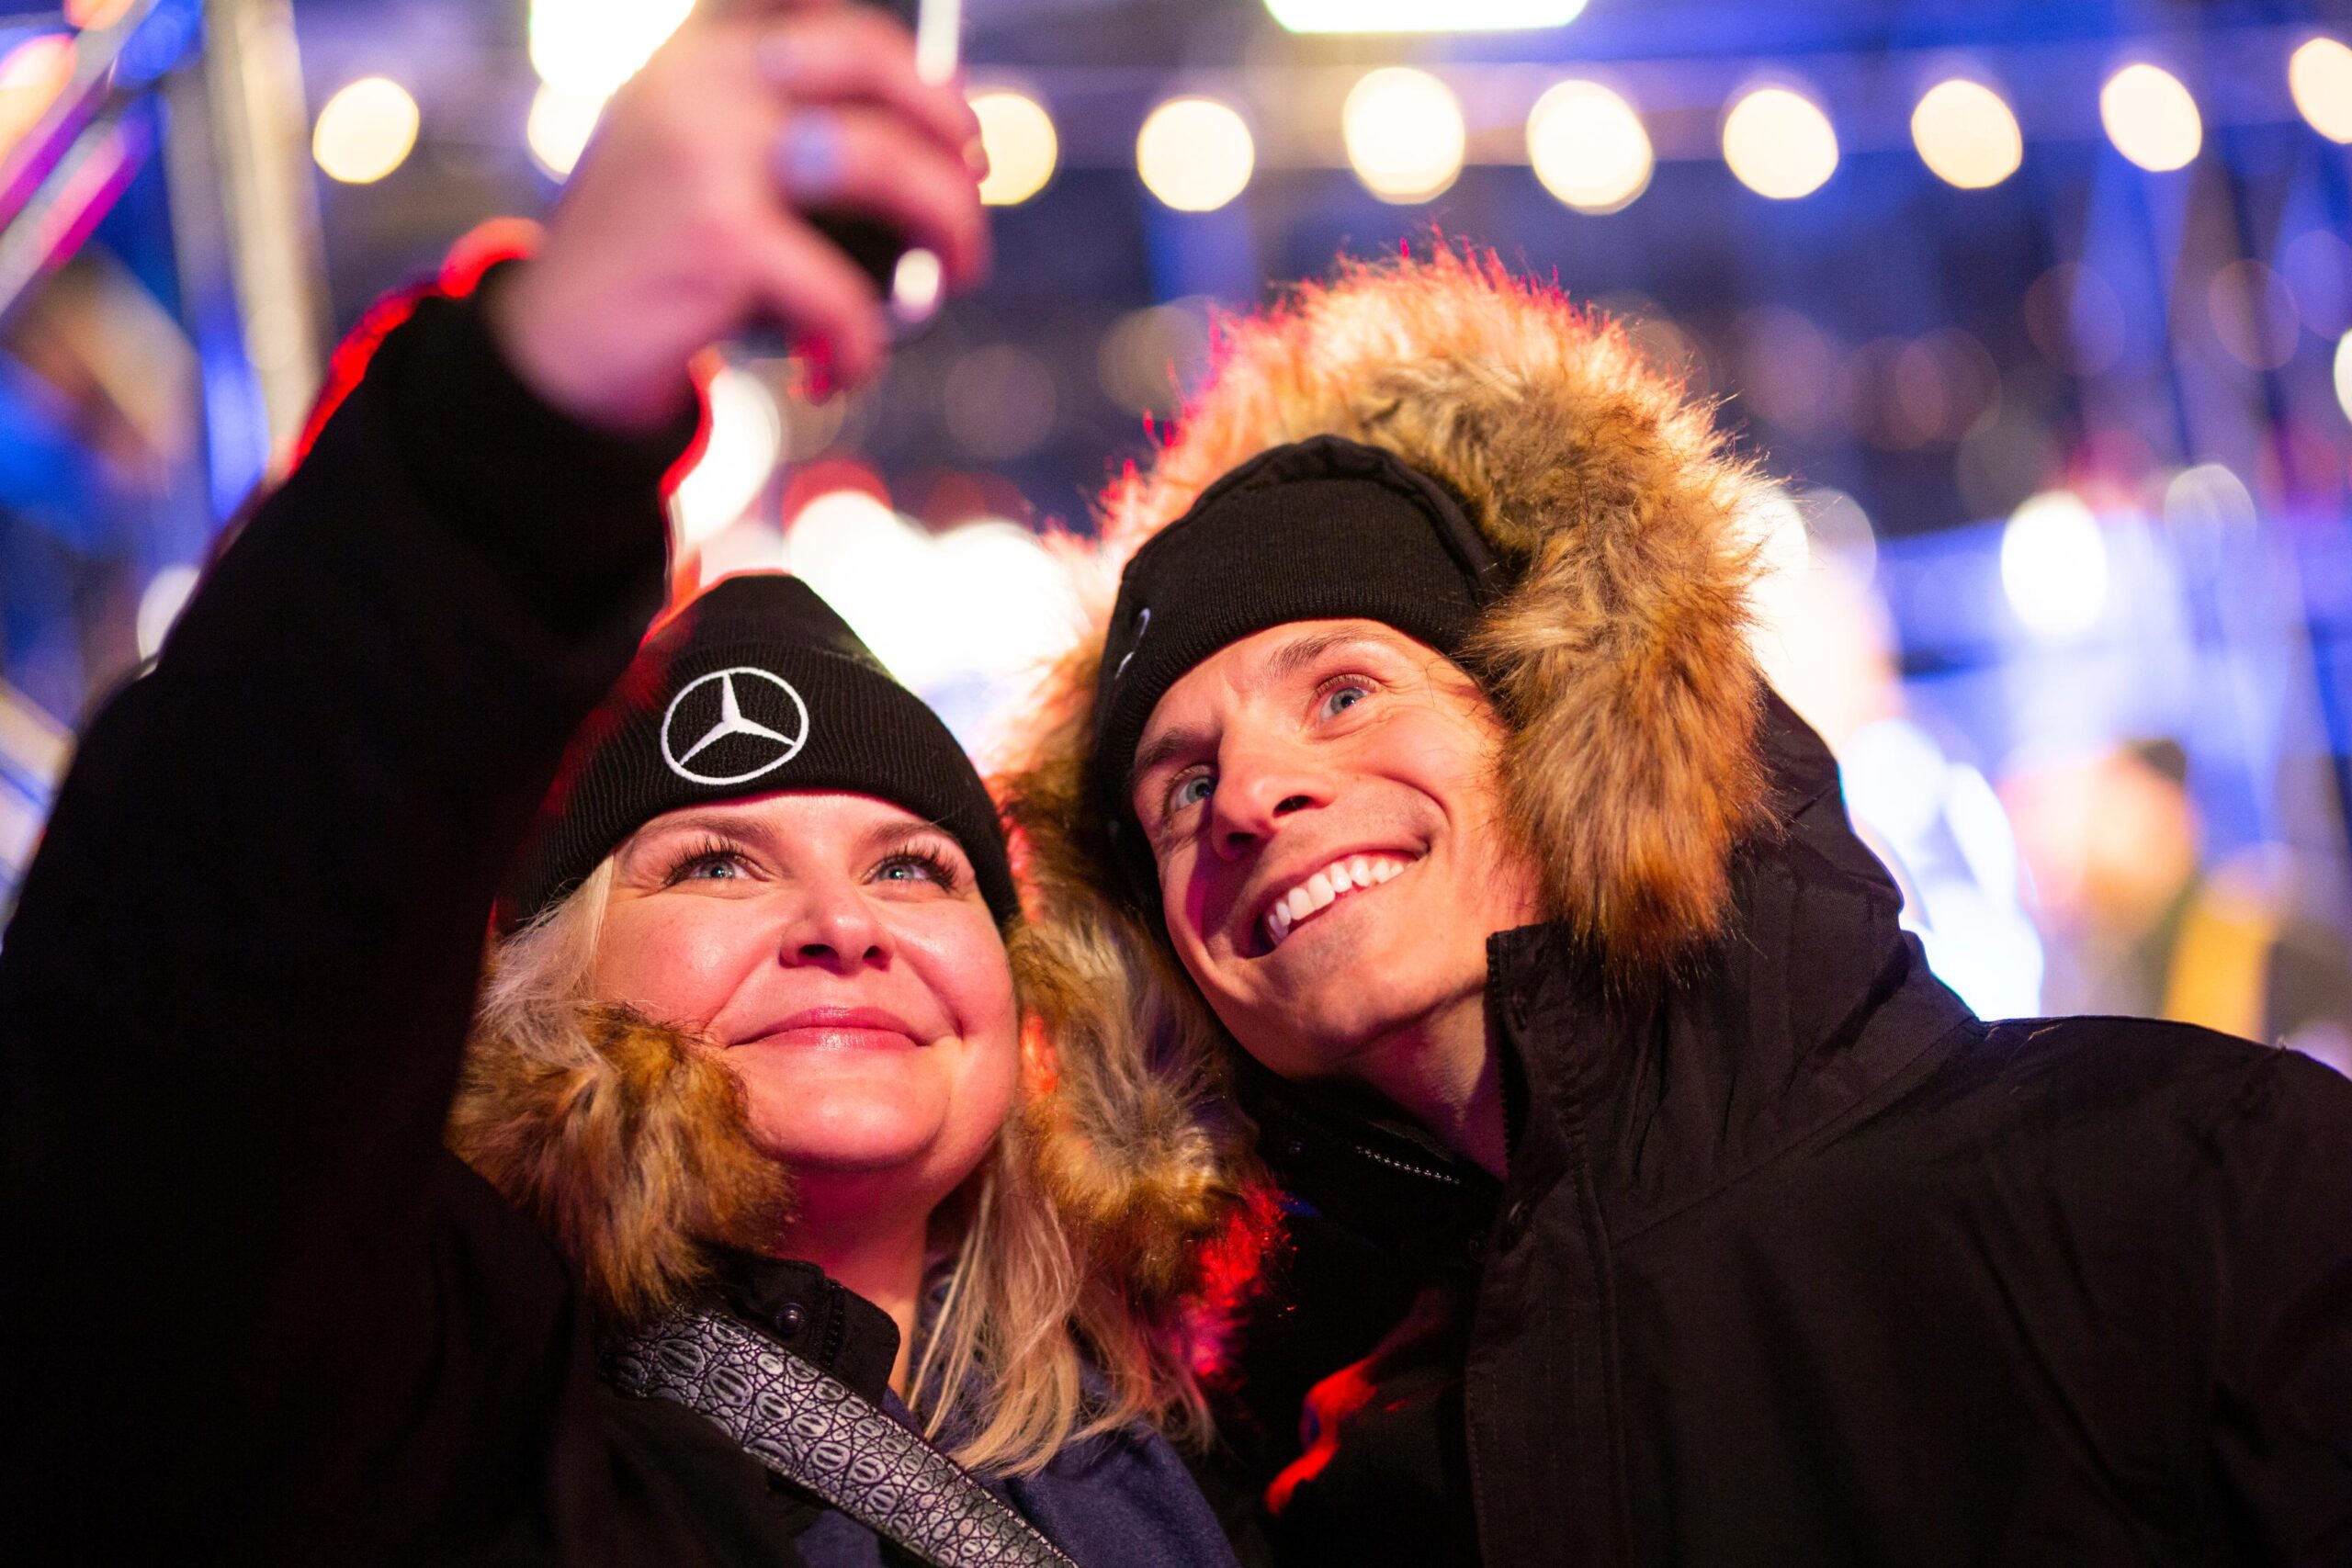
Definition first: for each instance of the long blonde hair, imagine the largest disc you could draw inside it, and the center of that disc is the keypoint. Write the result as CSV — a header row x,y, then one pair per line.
x,y
630,1144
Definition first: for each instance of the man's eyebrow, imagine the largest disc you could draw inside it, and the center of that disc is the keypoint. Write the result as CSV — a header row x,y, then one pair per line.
x,y
1283,663
1164,747
1292,657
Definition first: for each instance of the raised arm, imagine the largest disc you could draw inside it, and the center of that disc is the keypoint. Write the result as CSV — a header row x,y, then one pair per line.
x,y
234,993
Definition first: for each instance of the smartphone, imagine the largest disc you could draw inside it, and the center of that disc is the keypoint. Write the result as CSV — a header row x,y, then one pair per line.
x,y
909,278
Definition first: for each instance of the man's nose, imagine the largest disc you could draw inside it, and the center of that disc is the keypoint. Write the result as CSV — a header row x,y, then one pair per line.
x,y
1258,785
833,925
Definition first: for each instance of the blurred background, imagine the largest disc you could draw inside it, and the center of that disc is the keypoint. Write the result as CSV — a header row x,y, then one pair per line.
x,y
2040,310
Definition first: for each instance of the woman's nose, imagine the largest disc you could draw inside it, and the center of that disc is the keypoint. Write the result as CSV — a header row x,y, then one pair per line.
x,y
833,924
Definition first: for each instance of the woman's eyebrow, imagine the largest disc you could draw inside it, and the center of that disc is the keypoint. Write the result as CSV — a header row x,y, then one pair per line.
x,y
883,836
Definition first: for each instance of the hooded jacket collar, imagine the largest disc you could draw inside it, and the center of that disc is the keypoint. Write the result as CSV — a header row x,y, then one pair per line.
x,y
1814,1007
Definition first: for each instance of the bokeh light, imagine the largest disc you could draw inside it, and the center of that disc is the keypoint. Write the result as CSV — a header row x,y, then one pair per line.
x,y
1966,134
31,77
981,602
1895,776
746,438
1780,145
1589,147
2319,75
2318,267
1405,133
2076,320
160,604
2210,497
1019,136
2151,118
2344,374
365,131
2253,312
559,128
2054,565
590,47
1195,154
1422,16
1151,357
92,15
998,403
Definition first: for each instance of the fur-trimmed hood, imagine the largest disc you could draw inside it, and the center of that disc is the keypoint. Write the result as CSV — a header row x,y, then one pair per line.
x,y
1619,657
628,1143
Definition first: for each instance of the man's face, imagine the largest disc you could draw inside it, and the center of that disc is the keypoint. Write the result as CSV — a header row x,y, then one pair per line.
x,y
1320,798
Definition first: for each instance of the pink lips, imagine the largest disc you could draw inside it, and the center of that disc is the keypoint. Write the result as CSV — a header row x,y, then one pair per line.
x,y
840,1029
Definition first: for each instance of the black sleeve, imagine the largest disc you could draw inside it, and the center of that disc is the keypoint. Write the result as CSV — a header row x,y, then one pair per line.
x,y
236,989
2283,1393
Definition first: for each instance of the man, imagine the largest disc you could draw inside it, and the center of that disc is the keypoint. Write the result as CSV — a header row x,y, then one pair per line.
x,y
1651,1202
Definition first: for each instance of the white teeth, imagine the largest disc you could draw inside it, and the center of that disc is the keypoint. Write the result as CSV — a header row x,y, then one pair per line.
x,y
1324,888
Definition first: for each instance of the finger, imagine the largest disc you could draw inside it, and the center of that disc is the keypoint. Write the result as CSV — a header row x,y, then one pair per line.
x,y
823,301
868,161
862,55
756,10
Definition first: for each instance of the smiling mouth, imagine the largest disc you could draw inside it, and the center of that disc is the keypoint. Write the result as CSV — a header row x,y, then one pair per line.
x,y
1341,879
838,1037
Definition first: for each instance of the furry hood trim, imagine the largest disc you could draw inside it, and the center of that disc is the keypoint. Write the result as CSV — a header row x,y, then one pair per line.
x,y
1618,658
631,1146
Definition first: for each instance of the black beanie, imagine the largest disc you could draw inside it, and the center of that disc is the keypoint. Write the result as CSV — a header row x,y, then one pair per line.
x,y
1323,529
755,687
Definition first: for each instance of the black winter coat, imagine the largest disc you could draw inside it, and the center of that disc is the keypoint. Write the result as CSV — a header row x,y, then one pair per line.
x,y
1800,1263
256,1312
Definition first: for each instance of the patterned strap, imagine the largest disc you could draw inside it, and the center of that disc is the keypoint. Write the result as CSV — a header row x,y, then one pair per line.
x,y
824,1436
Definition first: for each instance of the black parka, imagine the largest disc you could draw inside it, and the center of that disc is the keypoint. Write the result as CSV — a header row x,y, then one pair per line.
x,y
1797,1262
256,1312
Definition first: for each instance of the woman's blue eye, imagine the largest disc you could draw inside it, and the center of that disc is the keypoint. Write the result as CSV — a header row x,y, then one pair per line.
x,y
1191,791
917,865
719,867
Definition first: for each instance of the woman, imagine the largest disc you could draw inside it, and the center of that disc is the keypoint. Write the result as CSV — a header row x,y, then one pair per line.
x,y
260,1311
753,1006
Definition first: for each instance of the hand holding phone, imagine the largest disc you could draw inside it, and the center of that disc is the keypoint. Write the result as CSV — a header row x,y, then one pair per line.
x,y
694,216
909,278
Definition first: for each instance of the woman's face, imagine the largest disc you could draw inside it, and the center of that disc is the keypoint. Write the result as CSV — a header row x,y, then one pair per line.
x,y
837,948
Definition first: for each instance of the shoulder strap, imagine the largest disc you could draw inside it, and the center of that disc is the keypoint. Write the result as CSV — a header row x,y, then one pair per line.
x,y
827,1439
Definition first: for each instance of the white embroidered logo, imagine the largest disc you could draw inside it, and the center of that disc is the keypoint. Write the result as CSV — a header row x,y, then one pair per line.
x,y
783,737
1143,625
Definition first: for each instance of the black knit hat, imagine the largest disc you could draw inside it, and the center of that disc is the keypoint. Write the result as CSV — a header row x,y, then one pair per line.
x,y
1323,529
755,687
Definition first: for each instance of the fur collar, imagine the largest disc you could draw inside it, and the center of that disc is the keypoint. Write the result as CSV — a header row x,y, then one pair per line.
x,y
1620,660
629,1145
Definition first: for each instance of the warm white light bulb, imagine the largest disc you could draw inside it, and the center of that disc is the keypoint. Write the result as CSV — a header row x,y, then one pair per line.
x,y
2319,76
1018,135
365,130
1589,147
1405,133
1780,145
560,125
2151,118
1195,154
1966,134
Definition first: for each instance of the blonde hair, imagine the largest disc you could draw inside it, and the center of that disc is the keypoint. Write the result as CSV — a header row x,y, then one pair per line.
x,y
630,1142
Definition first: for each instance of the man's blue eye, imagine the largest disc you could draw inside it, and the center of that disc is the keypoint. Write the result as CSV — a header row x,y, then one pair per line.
x,y
1346,697
1192,791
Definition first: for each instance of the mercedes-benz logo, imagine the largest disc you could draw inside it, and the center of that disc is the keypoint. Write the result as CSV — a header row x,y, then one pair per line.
x,y
716,720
